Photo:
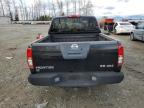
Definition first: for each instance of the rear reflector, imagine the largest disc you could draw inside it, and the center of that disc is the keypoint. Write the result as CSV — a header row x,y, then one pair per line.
x,y
29,58
120,55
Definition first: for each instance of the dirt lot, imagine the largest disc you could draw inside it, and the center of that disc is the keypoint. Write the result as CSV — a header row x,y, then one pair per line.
x,y
16,92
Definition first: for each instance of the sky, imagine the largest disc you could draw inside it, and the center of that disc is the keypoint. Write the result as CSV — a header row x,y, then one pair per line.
x,y
114,7
118,7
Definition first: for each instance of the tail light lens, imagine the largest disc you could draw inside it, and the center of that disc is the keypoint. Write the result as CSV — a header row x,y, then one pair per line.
x,y
120,55
29,58
74,16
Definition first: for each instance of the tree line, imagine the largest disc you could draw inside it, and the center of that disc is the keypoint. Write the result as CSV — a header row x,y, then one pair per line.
x,y
44,10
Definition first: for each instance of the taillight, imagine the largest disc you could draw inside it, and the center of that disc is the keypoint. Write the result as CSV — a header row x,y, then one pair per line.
x,y
74,16
29,58
120,55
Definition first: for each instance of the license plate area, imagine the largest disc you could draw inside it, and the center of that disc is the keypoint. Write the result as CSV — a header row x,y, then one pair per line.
x,y
78,77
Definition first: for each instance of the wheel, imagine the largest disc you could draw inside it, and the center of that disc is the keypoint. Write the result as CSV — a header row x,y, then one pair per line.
x,y
132,37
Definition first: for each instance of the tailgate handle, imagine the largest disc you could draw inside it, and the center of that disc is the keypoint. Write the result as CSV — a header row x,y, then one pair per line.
x,y
75,51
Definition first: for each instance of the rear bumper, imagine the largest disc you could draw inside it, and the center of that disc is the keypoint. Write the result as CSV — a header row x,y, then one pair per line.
x,y
79,79
124,31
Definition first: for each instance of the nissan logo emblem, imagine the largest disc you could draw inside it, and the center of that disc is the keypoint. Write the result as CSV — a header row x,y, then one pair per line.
x,y
74,46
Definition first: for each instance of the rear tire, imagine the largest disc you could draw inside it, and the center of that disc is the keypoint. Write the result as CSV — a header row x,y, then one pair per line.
x,y
132,37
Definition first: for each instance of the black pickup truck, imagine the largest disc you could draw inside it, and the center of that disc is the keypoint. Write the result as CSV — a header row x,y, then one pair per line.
x,y
75,54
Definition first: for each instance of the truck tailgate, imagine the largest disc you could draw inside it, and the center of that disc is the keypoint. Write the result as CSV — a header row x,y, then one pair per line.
x,y
75,56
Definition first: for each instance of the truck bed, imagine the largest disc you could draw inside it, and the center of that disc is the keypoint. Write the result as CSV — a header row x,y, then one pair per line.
x,y
75,38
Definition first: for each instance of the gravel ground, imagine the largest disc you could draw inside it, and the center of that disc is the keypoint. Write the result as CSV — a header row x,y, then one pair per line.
x,y
16,92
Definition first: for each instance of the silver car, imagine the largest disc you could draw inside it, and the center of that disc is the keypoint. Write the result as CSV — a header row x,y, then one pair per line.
x,y
138,32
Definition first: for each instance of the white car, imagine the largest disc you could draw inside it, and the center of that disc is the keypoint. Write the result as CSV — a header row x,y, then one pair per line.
x,y
123,27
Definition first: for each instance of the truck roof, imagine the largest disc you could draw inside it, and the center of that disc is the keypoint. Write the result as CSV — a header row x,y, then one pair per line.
x,y
74,16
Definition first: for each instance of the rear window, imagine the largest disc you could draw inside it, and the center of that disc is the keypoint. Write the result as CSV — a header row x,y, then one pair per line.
x,y
73,25
140,26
